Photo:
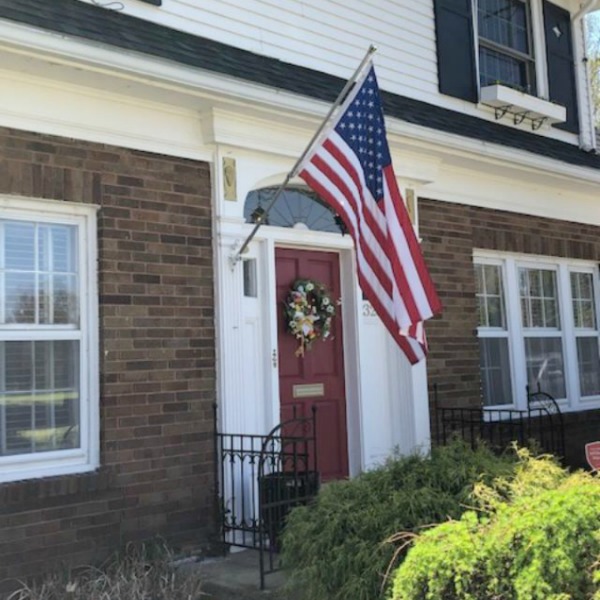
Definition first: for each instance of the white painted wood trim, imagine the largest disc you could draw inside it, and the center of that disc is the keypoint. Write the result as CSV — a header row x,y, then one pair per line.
x,y
213,88
511,262
87,457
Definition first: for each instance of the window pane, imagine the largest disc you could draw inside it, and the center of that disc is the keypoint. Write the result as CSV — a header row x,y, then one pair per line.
x,y
479,275
40,273
19,245
498,68
589,365
20,297
495,312
584,306
39,396
64,296
539,298
495,371
504,22
298,207
62,248
492,280
490,296
545,365
550,313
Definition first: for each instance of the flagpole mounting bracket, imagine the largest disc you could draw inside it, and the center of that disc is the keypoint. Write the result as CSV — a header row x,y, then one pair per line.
x,y
235,256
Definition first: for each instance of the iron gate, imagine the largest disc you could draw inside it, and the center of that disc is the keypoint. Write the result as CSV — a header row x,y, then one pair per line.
x,y
261,478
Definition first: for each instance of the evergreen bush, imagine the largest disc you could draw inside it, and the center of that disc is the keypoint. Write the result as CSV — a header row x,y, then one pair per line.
x,y
533,537
335,549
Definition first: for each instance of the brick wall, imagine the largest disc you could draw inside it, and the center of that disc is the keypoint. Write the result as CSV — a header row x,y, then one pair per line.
x,y
450,232
157,356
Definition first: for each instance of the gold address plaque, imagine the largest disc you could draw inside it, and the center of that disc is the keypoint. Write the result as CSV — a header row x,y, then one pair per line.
x,y
309,390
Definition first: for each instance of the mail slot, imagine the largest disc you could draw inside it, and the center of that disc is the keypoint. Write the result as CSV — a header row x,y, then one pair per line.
x,y
309,390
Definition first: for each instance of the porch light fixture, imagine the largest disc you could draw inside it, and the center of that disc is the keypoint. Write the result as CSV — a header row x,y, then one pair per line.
x,y
340,223
259,215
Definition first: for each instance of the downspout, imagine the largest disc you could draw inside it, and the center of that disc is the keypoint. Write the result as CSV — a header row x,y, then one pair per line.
x,y
578,19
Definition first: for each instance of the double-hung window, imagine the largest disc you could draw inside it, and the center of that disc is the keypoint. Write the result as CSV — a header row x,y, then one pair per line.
x,y
48,337
505,44
538,326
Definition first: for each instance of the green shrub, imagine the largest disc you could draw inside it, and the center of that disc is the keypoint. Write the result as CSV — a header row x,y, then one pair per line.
x,y
335,549
534,537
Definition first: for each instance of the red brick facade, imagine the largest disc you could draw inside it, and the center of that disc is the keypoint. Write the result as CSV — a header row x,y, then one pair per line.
x,y
157,356
450,232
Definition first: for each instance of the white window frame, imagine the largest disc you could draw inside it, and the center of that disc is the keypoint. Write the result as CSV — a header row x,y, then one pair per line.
x,y
86,457
510,264
496,332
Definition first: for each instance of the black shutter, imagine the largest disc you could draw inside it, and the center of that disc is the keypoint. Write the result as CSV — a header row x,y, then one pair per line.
x,y
457,73
561,63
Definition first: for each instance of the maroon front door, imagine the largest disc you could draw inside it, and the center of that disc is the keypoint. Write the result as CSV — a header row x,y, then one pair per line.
x,y
318,377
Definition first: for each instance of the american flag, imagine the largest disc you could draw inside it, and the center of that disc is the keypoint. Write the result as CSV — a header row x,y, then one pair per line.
x,y
350,167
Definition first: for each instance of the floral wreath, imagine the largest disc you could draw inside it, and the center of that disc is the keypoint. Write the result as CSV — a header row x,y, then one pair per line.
x,y
309,311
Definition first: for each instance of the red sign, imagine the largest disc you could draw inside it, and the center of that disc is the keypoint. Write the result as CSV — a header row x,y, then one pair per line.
x,y
592,453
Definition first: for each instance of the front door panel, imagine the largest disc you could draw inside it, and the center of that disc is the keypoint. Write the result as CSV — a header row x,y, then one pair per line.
x,y
318,377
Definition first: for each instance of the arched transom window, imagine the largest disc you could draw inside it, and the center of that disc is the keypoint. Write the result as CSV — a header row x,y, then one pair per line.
x,y
297,207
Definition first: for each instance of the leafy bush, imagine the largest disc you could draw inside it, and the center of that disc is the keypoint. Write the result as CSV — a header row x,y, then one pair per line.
x,y
142,572
534,537
335,549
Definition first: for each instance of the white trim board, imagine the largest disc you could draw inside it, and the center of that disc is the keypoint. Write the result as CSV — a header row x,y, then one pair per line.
x,y
219,90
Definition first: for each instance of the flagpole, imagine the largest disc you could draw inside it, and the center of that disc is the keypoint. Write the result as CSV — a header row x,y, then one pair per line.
x,y
235,256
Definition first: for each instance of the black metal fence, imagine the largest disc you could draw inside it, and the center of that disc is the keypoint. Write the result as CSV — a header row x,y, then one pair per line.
x,y
540,426
261,478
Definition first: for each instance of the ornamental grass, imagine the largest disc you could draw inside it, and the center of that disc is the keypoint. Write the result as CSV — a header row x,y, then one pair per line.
x,y
141,572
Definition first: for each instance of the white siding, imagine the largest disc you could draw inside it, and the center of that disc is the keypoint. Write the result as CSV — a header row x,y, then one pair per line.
x,y
326,35
330,36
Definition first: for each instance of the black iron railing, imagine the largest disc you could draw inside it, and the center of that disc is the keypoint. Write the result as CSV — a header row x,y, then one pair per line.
x,y
260,479
540,426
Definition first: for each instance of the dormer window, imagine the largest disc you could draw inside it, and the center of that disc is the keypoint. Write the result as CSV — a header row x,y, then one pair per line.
x,y
505,44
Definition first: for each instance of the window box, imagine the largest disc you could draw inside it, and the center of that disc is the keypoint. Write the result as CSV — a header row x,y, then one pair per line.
x,y
519,103
482,44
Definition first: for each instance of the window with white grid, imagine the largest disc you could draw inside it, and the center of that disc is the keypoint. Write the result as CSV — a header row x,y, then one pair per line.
x,y
538,326
586,332
48,324
494,361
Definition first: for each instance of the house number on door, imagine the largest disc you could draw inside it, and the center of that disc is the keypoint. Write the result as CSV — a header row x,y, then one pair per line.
x,y
274,358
